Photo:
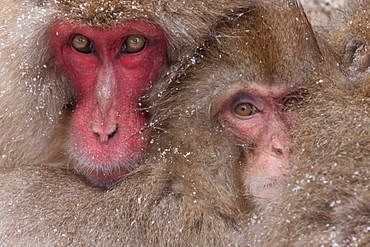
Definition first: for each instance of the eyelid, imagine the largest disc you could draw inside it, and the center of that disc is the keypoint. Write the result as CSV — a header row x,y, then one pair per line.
x,y
243,97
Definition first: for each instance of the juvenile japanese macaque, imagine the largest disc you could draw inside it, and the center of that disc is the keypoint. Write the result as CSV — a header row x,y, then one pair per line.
x,y
256,105
227,113
74,72
327,200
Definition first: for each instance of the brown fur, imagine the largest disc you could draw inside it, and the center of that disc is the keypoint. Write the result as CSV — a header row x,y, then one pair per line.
x,y
34,94
320,12
327,200
188,193
349,39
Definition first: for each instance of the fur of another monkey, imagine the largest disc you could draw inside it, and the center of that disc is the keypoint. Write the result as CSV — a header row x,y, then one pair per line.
x,y
320,12
326,202
349,38
36,96
189,191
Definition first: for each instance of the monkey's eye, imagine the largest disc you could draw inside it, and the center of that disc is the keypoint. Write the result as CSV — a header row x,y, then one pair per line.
x,y
133,44
292,102
82,44
245,109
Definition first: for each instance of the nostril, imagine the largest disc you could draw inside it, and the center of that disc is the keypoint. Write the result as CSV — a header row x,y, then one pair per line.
x,y
104,134
113,133
278,151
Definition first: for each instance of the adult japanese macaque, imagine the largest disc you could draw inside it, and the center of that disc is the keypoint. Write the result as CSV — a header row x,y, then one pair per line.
x,y
74,72
327,202
228,112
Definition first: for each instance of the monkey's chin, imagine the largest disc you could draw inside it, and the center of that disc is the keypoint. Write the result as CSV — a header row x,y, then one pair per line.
x,y
269,191
106,179
108,164
106,175
264,192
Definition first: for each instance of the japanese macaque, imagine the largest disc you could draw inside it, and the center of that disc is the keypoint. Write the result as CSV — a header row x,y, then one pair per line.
x,y
256,106
225,114
74,73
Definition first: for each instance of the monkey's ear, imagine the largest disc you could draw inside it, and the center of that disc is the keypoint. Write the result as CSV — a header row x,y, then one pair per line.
x,y
357,55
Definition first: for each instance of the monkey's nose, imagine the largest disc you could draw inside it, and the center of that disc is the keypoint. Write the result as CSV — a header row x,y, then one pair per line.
x,y
279,144
278,151
104,132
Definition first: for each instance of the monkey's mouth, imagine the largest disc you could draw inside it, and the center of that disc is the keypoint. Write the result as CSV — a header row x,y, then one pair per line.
x,y
106,175
108,178
106,163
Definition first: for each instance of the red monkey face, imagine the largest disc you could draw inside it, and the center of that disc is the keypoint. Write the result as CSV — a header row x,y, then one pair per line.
x,y
110,70
259,118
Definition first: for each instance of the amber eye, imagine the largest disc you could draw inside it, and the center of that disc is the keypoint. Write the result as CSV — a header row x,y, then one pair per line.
x,y
82,44
291,103
245,109
133,44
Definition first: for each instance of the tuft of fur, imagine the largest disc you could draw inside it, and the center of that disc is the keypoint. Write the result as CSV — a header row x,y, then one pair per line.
x,y
348,37
321,12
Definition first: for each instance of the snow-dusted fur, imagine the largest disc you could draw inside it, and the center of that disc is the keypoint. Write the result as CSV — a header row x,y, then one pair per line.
x,y
326,202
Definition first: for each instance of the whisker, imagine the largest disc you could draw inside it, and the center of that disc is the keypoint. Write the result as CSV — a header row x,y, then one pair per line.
x,y
138,132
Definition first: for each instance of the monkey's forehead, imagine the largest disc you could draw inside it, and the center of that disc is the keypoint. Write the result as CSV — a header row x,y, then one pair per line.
x,y
109,13
105,13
